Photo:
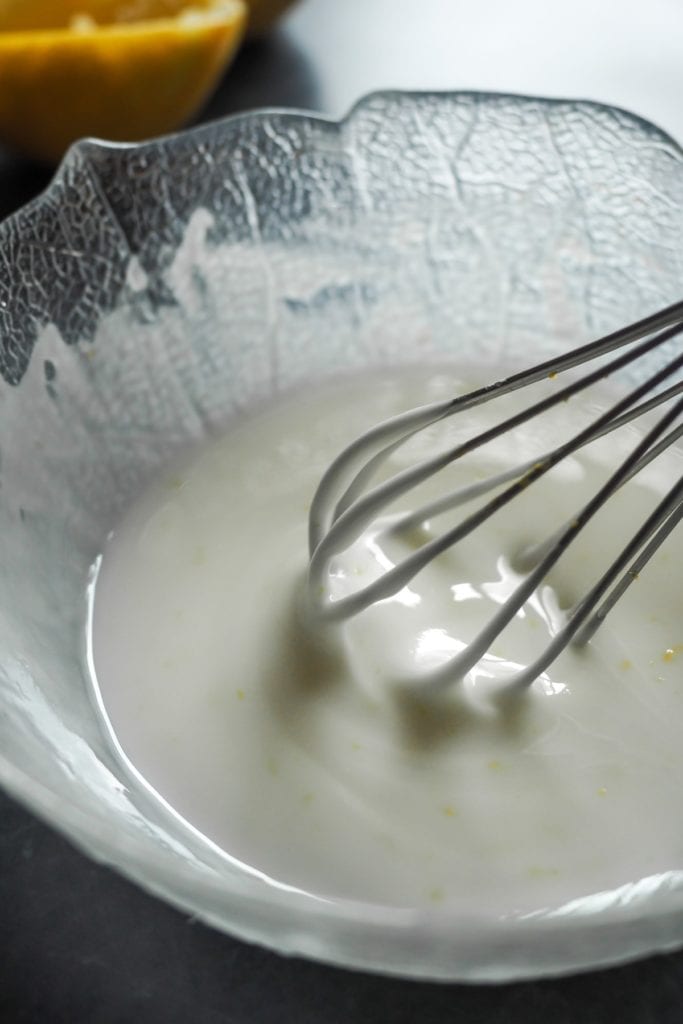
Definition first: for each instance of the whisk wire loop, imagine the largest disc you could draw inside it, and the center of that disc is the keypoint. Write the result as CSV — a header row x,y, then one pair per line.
x,y
336,522
374,445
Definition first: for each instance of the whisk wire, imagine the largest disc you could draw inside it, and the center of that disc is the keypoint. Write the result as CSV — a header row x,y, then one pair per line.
x,y
350,520
336,522
376,444
578,631
663,521
356,518
459,665
463,495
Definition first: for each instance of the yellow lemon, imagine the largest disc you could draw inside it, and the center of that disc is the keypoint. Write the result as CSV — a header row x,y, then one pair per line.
x,y
118,69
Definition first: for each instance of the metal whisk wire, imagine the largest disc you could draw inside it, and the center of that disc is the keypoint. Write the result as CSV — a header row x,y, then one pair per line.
x,y
344,507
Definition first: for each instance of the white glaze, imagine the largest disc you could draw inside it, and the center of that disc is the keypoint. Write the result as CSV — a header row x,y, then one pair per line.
x,y
301,757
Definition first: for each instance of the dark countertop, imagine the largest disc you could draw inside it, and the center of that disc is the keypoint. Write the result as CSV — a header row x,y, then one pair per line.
x,y
80,944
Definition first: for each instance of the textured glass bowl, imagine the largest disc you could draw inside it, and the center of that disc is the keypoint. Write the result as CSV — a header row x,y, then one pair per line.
x,y
155,289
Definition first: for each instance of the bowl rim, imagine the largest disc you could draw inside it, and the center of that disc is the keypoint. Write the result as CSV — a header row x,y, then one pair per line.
x,y
344,933
79,149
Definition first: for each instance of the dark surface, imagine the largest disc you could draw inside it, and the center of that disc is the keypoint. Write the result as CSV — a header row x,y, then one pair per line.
x,y
80,944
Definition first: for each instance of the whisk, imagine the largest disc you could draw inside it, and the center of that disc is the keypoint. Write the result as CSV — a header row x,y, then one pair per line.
x,y
346,503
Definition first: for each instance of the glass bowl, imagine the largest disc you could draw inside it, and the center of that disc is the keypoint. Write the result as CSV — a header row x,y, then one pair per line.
x,y
154,290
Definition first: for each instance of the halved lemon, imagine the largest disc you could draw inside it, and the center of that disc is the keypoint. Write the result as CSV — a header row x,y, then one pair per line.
x,y
118,69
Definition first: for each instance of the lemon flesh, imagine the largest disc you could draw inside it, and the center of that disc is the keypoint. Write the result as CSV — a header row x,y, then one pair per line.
x,y
68,72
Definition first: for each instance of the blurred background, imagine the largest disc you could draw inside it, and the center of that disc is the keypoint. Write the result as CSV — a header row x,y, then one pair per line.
x,y
324,54
78,943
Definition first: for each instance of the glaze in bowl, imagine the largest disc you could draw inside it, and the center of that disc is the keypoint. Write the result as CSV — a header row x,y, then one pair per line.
x,y
155,290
